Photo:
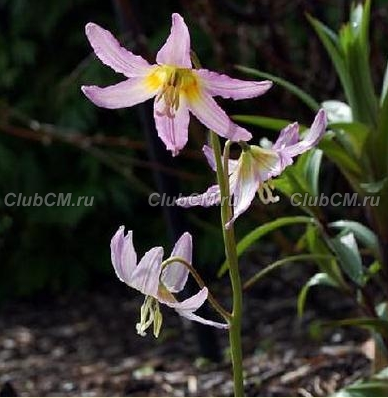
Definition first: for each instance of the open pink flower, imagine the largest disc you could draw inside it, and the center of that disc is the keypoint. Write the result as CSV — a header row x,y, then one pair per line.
x,y
255,167
178,87
158,284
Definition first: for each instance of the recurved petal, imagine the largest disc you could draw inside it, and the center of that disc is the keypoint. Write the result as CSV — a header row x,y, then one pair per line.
x,y
288,136
209,198
227,87
312,137
145,277
209,153
191,304
172,129
208,112
123,255
176,50
121,95
175,275
109,51
197,318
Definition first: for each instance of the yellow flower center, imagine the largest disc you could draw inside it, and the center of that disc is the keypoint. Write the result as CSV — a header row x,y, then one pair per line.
x,y
173,83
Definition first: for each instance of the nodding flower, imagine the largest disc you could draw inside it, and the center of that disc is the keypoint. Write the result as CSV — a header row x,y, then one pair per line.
x,y
252,172
159,284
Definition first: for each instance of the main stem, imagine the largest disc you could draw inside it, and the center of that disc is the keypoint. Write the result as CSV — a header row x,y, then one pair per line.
x,y
231,257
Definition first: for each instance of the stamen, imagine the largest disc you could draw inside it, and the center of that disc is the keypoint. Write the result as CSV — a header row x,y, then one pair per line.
x,y
176,81
149,314
266,194
146,316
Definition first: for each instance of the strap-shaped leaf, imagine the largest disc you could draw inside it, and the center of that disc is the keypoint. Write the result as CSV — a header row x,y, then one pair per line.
x,y
385,86
320,279
345,246
264,229
292,88
279,263
262,121
363,234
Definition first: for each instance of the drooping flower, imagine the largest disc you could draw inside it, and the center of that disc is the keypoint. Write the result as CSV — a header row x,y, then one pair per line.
x,y
178,87
158,284
253,171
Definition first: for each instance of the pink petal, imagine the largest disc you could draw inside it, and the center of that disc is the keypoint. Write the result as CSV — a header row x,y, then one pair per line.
x,y
121,95
312,138
243,185
189,305
197,318
288,136
213,117
123,254
209,153
226,87
176,50
266,162
255,167
173,131
175,275
145,277
209,198
109,51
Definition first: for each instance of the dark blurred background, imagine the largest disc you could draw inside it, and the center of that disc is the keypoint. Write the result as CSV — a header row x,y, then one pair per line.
x,y
52,139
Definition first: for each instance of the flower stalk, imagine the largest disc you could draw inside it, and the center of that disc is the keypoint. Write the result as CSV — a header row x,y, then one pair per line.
x,y
231,257
212,300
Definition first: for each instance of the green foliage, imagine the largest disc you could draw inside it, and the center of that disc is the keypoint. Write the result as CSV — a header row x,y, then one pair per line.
x,y
255,235
364,234
298,92
319,279
345,247
358,148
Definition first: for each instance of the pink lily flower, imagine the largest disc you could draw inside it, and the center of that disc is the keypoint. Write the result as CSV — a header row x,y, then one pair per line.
x,y
157,283
253,171
177,87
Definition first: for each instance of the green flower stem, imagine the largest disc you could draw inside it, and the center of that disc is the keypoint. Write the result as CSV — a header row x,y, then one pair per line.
x,y
215,304
231,257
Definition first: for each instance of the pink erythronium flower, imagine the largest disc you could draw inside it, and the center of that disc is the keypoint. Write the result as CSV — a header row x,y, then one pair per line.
x,y
256,166
158,284
178,87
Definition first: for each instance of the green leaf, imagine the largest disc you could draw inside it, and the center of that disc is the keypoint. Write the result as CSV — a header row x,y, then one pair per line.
x,y
385,86
379,142
346,163
320,279
330,41
376,325
375,186
316,244
365,235
262,121
369,388
345,246
253,236
311,170
277,264
354,133
292,88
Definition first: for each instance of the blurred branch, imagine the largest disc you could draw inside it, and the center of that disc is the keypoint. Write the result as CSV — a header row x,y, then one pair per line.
x,y
47,133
